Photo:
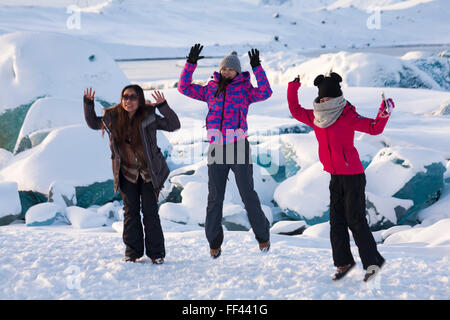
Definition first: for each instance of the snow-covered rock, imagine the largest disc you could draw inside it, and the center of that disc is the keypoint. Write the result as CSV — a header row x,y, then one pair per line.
x,y
418,176
46,114
434,235
62,194
44,214
193,181
289,227
81,218
110,210
320,230
10,206
74,155
388,232
437,211
32,66
175,212
383,212
306,195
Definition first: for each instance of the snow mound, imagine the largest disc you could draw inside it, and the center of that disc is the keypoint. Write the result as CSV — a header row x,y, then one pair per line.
x,y
288,227
34,65
44,214
434,235
81,218
46,114
306,195
75,155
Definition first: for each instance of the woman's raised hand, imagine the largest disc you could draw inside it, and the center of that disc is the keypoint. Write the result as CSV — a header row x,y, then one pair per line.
x,y
253,54
159,97
89,94
194,54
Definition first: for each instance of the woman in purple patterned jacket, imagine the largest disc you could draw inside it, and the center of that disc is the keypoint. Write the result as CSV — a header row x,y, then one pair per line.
x,y
228,96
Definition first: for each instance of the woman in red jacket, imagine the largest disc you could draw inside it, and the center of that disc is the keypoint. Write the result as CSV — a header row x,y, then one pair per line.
x,y
335,121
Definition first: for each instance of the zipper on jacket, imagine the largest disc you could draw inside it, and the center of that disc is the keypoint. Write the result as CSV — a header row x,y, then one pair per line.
x,y
345,158
239,119
223,108
147,151
111,138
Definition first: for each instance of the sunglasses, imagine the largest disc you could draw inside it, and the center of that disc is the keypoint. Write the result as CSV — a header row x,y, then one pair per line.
x,y
131,97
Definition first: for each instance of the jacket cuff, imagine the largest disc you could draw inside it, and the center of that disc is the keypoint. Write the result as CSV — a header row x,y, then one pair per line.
x,y
162,105
88,101
294,85
255,69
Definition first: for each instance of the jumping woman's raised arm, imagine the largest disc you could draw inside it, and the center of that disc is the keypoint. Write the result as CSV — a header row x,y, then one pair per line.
x,y
263,91
185,85
92,120
170,121
297,111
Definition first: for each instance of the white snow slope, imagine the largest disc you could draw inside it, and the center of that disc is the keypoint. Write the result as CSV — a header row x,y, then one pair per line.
x,y
58,263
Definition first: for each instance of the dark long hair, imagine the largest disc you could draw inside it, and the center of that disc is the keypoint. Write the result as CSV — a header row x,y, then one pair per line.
x,y
121,122
222,85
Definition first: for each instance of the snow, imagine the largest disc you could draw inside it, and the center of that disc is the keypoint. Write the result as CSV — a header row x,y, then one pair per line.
x,y
74,155
83,218
43,214
434,235
386,233
35,265
306,193
48,113
361,70
287,226
62,194
32,64
413,160
9,199
192,209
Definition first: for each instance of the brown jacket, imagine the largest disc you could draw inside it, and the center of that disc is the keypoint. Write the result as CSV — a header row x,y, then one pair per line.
x,y
159,170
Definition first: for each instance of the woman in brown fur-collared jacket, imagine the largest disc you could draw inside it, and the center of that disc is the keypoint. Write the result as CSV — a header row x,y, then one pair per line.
x,y
139,168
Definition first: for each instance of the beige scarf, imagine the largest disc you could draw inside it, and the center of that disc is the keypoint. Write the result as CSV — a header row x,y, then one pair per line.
x,y
326,113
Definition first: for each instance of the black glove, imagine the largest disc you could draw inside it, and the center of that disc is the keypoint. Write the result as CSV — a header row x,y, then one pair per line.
x,y
193,56
254,58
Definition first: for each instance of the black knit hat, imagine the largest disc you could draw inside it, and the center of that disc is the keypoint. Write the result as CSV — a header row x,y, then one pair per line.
x,y
329,86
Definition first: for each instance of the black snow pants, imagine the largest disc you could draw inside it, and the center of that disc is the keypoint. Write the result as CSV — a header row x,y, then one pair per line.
x,y
219,165
348,211
133,235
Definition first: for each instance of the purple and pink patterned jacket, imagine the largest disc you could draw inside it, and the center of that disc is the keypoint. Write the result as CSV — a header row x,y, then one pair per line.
x,y
226,121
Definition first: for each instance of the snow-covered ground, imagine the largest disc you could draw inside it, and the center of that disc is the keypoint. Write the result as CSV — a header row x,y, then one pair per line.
x,y
60,263
51,50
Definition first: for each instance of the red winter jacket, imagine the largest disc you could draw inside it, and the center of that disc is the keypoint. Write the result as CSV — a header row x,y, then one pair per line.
x,y
336,146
